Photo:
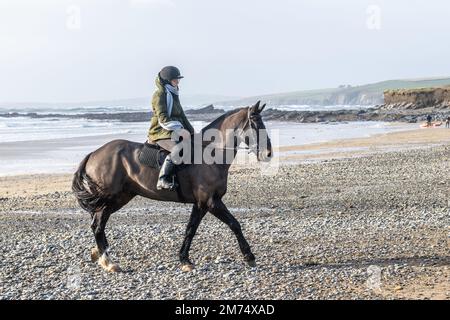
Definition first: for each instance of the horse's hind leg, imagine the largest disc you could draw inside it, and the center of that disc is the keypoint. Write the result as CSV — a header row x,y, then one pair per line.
x,y
220,211
99,220
95,252
100,253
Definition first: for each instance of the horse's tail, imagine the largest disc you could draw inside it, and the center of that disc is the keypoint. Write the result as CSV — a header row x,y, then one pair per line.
x,y
89,195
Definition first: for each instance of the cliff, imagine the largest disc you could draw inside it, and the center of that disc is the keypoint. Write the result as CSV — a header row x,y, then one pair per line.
x,y
369,94
417,99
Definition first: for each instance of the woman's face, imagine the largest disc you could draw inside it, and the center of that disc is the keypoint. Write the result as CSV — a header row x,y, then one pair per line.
x,y
175,82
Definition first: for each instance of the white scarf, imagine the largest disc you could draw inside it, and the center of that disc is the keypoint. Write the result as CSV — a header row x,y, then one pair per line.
x,y
170,125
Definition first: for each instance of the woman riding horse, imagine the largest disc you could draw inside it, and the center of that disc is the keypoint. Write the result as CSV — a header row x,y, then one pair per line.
x,y
168,116
111,176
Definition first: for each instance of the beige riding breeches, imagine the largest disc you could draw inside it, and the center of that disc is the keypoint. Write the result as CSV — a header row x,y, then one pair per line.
x,y
169,145
166,144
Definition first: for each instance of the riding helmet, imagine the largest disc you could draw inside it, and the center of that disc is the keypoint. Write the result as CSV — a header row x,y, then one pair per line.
x,y
169,73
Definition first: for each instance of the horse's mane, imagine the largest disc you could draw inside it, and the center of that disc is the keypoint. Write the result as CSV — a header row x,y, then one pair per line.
x,y
221,118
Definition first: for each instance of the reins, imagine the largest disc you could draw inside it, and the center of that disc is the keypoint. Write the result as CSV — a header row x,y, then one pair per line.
x,y
253,147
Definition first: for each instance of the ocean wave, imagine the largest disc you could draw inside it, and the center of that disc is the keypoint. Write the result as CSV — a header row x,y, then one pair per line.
x,y
23,129
319,108
98,124
75,110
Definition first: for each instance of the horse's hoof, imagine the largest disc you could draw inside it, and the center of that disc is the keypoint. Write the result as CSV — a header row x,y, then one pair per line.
x,y
251,263
95,254
114,268
187,267
105,262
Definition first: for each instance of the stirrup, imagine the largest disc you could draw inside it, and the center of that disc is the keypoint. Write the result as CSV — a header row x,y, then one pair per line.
x,y
165,178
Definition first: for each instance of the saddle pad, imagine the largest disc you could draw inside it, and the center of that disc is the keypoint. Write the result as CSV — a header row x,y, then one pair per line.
x,y
152,155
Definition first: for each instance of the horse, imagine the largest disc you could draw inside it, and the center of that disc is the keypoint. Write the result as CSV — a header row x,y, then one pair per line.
x,y
109,177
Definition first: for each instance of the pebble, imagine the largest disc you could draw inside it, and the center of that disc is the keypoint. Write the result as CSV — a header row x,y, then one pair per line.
x,y
353,226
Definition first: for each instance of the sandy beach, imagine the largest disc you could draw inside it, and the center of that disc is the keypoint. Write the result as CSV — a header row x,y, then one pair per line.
x,y
403,140
364,218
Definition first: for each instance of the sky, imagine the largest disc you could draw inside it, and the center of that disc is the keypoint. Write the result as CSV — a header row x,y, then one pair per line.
x,y
86,50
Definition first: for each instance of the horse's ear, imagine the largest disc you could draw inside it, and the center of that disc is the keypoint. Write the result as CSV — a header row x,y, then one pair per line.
x,y
255,107
262,108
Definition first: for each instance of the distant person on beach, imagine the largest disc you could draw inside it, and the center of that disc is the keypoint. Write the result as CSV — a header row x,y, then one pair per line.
x,y
429,118
447,122
168,116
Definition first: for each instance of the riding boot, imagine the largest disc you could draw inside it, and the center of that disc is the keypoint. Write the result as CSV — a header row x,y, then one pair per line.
x,y
165,179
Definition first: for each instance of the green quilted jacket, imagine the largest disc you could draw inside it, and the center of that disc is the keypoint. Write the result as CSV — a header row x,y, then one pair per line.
x,y
159,105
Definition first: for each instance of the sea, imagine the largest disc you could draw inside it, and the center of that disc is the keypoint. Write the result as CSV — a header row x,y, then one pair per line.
x,y
57,144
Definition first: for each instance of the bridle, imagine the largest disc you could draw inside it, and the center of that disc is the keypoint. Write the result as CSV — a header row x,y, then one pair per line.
x,y
254,147
250,148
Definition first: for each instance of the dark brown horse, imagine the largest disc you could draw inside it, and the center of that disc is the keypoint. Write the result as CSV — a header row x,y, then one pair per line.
x,y
111,176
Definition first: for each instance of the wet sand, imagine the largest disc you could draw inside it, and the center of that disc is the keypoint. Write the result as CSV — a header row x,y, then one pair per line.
x,y
403,140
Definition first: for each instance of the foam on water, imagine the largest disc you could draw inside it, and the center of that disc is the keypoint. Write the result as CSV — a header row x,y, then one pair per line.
x,y
139,108
25,129
75,110
320,108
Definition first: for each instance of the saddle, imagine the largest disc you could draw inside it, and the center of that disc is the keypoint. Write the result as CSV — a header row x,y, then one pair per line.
x,y
152,155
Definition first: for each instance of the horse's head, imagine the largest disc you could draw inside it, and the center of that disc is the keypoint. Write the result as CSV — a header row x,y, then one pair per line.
x,y
255,134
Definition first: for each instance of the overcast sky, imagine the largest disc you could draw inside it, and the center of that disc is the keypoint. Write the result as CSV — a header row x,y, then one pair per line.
x,y
69,50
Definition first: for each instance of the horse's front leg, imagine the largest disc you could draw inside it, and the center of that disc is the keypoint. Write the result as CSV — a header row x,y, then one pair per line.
x,y
197,215
220,211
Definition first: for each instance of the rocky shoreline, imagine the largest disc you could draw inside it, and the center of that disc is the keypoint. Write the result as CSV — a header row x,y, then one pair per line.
x,y
387,113
370,114
207,113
